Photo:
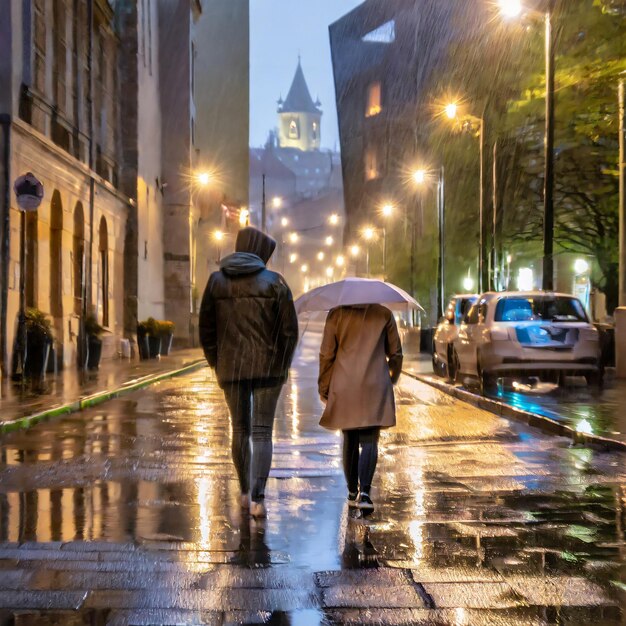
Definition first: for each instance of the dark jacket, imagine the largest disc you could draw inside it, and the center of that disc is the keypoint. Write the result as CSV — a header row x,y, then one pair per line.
x,y
248,323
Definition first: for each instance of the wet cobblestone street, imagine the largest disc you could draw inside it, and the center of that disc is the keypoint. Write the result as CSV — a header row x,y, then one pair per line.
x,y
129,514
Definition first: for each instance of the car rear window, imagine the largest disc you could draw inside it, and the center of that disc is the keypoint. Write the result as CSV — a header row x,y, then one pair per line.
x,y
552,309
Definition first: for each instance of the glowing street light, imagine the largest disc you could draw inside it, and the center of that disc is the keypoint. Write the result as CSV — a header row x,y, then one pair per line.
x,y
304,268
244,216
293,237
368,233
419,177
451,111
333,219
354,251
277,202
203,178
218,235
468,284
387,210
510,8
329,241
340,261
284,222
329,272
293,258
320,256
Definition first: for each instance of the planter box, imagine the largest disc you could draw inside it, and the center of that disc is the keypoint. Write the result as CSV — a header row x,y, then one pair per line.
x,y
94,352
37,352
154,344
166,343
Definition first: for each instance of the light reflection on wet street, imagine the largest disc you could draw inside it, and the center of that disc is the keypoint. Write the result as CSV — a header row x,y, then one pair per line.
x,y
128,514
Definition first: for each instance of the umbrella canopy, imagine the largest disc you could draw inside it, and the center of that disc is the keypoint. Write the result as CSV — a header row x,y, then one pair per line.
x,y
356,291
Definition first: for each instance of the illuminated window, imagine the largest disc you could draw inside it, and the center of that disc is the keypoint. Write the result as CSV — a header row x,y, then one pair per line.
x,y
314,130
294,131
374,106
371,164
386,33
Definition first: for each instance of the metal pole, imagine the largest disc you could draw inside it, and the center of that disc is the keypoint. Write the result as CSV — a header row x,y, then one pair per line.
x,y
622,196
495,283
21,323
384,253
368,260
441,264
548,195
263,214
481,209
413,243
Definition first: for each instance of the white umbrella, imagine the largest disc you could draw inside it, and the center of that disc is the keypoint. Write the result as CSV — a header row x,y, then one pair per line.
x,y
352,291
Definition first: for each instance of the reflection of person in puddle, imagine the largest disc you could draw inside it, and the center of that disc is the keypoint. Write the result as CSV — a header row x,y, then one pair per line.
x,y
360,361
358,550
253,551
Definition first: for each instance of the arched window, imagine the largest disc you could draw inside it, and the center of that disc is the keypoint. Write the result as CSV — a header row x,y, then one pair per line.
x,y
314,130
294,131
78,257
56,258
103,247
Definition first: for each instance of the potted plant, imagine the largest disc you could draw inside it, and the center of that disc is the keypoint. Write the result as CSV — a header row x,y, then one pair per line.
x,y
38,343
142,341
166,331
93,331
154,337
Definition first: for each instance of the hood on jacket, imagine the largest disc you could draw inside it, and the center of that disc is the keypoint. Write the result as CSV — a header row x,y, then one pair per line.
x,y
254,241
241,263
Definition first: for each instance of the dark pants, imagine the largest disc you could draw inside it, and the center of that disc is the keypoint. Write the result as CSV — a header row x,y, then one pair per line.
x,y
252,404
359,465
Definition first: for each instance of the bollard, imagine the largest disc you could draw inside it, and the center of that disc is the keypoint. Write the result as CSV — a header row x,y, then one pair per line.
x,y
620,342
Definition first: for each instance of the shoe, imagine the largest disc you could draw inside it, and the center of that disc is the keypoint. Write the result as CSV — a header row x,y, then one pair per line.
x,y
352,499
257,510
245,500
365,503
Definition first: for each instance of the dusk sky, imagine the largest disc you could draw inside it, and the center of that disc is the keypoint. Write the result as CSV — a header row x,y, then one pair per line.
x,y
279,30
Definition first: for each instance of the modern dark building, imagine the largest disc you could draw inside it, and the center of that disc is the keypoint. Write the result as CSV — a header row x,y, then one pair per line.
x,y
387,58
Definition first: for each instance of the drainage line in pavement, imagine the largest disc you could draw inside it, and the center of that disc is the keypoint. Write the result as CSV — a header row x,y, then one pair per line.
x,y
95,399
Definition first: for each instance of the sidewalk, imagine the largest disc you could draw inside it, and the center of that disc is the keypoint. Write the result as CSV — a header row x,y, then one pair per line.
x,y
72,386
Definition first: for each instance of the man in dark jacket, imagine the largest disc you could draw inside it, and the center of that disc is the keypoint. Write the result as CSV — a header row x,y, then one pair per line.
x,y
249,331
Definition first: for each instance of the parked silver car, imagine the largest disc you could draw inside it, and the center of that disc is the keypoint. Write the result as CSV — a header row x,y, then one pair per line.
x,y
446,333
526,332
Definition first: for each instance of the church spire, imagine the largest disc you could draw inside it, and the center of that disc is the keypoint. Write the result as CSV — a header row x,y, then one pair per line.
x,y
299,99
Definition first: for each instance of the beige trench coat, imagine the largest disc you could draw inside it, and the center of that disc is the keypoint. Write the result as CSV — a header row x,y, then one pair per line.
x,y
360,360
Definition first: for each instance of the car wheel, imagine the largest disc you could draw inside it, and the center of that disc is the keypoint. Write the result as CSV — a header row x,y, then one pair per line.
x,y
486,379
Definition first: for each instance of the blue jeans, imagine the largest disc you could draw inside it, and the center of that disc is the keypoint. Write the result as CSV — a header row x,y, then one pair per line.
x,y
252,405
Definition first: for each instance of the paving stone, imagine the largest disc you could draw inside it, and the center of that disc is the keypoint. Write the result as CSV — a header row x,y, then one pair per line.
x,y
211,600
16,579
39,554
98,546
162,616
42,599
560,591
473,595
370,577
434,617
261,578
362,596
427,574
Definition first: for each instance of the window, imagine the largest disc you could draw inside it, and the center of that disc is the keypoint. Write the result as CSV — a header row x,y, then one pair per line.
x,y
553,309
386,33
39,56
374,106
371,163
314,130
59,68
56,265
294,131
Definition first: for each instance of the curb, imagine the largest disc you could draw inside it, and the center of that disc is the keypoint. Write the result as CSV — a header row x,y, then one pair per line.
x,y
501,409
95,399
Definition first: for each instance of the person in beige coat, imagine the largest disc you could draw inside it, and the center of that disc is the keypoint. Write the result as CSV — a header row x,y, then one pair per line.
x,y
360,361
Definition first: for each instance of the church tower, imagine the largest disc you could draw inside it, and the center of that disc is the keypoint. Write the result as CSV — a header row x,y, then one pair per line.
x,y
299,117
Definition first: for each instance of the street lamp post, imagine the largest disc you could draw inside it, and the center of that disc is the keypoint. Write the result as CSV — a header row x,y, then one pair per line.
x,y
419,177
510,9
29,193
387,211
